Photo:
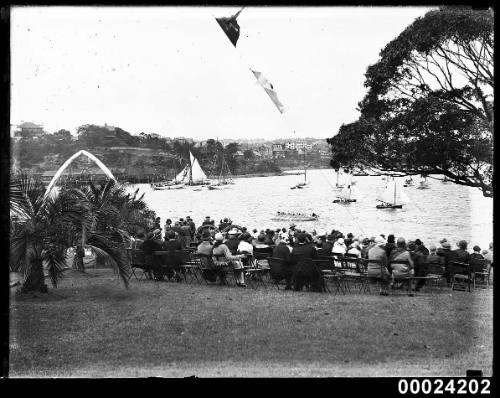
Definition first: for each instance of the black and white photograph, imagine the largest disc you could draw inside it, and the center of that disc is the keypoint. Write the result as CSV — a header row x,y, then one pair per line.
x,y
251,192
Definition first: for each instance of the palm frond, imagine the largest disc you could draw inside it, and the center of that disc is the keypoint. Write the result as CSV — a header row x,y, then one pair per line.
x,y
54,257
114,251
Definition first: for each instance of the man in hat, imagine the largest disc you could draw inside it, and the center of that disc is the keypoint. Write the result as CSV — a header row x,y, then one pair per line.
x,y
224,224
461,255
283,252
173,259
207,221
232,240
327,246
192,226
151,244
306,272
205,247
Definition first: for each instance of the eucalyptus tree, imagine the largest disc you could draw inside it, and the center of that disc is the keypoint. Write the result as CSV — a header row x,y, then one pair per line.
x,y
430,100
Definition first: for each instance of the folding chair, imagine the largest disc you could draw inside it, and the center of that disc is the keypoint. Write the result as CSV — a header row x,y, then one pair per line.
x,y
170,262
254,275
224,269
436,274
479,273
329,273
350,268
189,266
278,270
407,280
138,260
379,274
206,270
460,274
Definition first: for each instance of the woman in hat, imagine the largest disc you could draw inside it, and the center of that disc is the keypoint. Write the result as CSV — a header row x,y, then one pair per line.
x,y
220,249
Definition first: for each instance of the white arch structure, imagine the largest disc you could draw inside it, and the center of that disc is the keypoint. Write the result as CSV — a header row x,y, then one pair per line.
x,y
101,165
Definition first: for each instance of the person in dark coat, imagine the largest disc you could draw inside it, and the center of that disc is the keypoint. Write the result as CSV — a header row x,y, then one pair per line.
x,y
446,254
151,244
233,241
476,254
421,247
173,259
419,263
306,272
390,245
282,251
461,254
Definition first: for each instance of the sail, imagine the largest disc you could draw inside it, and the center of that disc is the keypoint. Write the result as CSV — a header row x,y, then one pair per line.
x,y
341,179
401,196
197,173
183,176
389,194
393,194
348,179
345,193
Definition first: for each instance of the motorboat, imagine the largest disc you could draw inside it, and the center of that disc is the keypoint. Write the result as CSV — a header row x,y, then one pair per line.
x,y
290,216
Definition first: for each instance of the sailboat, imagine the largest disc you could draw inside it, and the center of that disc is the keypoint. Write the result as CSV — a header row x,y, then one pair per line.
x,y
301,185
423,183
391,197
224,177
408,182
192,174
344,197
340,183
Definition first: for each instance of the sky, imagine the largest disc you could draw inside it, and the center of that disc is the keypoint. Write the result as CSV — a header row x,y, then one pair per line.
x,y
172,71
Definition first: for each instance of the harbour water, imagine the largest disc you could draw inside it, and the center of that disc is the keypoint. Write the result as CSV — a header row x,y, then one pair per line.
x,y
444,210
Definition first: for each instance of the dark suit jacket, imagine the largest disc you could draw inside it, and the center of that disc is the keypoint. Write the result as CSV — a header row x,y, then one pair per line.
x,y
232,243
460,255
282,251
303,251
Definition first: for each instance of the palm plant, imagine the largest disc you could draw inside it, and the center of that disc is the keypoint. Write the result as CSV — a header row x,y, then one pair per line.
x,y
101,228
39,230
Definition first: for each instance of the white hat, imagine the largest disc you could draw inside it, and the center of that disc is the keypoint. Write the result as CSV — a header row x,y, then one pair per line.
x,y
233,231
218,236
379,240
340,241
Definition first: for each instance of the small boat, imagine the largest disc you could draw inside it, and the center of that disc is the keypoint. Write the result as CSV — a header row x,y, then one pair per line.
x,y
391,197
283,216
408,182
304,183
344,197
423,183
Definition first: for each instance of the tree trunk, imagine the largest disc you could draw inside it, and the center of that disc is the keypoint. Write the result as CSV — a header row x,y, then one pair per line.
x,y
35,281
80,253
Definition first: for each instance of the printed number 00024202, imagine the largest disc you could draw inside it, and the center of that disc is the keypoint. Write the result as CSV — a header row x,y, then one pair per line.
x,y
440,386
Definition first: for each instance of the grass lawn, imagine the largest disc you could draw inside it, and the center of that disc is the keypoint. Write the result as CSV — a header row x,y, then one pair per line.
x,y
91,326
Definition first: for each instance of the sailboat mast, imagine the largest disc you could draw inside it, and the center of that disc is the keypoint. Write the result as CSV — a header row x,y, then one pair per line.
x,y
305,171
190,169
394,190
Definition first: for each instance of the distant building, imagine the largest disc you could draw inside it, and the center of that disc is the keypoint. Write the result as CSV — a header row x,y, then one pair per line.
x,y
278,151
239,155
29,130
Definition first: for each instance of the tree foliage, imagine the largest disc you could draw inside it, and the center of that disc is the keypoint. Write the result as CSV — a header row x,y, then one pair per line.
x,y
429,105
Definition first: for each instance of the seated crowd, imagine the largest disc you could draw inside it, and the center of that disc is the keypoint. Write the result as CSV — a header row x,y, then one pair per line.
x,y
387,258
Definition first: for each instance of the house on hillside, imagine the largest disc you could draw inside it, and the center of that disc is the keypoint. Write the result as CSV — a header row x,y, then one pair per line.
x,y
29,130
278,151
